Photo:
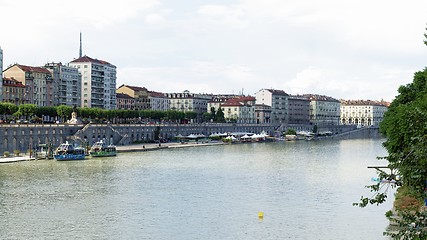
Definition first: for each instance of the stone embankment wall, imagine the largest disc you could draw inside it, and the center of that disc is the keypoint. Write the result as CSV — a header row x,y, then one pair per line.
x,y
28,136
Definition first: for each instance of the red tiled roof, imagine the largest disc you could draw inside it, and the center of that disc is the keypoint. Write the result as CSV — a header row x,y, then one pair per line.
x,y
12,82
364,102
123,96
156,94
138,89
33,69
89,59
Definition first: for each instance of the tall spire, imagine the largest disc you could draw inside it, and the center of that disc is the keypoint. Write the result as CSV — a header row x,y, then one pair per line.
x,y
80,52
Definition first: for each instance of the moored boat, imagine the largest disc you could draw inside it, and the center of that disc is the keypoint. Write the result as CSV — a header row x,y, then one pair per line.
x,y
101,149
67,151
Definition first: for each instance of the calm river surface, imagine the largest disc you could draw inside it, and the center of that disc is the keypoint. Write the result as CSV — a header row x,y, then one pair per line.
x,y
305,189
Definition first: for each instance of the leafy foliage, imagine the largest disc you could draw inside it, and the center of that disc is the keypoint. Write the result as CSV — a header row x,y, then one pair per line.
x,y
405,126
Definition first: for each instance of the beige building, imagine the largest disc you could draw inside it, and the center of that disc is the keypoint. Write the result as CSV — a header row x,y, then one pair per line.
x,y
239,110
125,101
139,94
14,91
362,112
262,113
324,110
38,82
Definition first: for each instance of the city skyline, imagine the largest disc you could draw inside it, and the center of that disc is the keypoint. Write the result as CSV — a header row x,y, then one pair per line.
x,y
352,50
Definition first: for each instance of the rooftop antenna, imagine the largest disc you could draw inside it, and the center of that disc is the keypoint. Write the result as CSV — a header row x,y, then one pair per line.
x,y
80,52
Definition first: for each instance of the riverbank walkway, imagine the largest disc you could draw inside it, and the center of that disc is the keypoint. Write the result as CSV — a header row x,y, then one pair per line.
x,y
158,146
129,148
15,159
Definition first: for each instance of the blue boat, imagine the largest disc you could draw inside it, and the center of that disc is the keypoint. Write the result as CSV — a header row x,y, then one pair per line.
x,y
67,152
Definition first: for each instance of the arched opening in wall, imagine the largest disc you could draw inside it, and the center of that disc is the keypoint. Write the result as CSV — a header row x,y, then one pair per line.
x,y
362,122
14,144
356,121
132,138
369,122
31,144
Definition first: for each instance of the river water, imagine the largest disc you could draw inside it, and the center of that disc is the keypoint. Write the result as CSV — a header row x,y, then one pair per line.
x,y
305,190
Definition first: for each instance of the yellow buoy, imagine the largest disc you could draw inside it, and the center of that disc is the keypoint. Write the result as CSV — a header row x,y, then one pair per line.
x,y
260,215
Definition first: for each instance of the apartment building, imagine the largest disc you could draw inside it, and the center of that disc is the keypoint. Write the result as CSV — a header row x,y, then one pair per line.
x,y
139,94
98,81
14,91
38,82
324,110
298,109
278,101
158,101
67,84
239,110
362,112
125,101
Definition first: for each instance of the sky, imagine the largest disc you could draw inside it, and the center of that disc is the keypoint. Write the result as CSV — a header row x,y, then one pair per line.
x,y
347,49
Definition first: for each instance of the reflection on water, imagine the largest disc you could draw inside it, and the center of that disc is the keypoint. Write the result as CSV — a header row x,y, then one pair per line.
x,y
305,189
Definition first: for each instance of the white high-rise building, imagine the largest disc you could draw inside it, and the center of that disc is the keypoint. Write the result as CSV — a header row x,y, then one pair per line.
x,y
98,88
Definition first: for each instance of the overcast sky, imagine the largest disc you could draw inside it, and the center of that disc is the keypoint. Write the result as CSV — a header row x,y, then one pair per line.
x,y
346,49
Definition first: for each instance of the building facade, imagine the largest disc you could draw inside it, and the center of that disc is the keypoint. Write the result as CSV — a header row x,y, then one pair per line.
x,y
98,80
14,91
324,110
38,82
239,110
125,101
67,84
362,112
1,74
188,102
278,101
110,77
139,94
262,113
298,109
158,101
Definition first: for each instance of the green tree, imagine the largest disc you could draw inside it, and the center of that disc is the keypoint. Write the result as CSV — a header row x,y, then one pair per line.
x,y
191,115
213,113
27,110
404,125
46,111
64,111
207,117
219,117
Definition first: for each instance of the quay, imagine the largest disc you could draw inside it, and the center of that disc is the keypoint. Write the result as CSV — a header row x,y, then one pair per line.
x,y
16,159
157,146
